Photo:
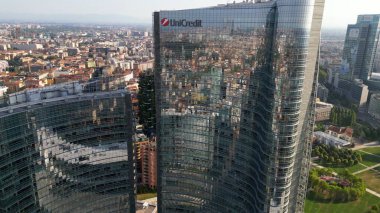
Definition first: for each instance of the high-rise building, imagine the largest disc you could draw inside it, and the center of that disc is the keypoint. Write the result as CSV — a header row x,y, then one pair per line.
x,y
235,97
361,53
323,92
146,162
374,106
66,148
148,151
359,94
323,111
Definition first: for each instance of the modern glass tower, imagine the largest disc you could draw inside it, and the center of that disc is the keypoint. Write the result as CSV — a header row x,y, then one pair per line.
x,y
234,93
361,53
67,148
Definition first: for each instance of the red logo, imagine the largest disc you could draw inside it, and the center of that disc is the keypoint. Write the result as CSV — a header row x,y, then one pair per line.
x,y
164,22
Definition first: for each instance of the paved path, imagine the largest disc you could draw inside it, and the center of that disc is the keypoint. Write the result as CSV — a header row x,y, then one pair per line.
x,y
366,169
151,201
321,167
152,208
373,192
369,153
366,145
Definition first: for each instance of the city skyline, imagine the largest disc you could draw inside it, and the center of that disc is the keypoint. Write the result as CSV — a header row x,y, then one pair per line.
x,y
120,12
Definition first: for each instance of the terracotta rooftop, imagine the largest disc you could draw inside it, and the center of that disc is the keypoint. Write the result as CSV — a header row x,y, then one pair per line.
x,y
342,130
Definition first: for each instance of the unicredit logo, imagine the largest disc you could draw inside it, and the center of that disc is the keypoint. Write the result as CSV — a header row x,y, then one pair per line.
x,y
180,23
164,22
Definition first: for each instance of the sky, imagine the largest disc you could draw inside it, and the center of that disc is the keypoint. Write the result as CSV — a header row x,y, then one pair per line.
x,y
338,13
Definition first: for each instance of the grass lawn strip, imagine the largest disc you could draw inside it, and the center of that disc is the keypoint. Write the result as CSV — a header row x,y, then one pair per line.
x,y
351,169
373,150
377,169
369,159
371,179
360,206
146,196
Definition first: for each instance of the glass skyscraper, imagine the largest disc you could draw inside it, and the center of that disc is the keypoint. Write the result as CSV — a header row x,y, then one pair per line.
x,y
361,53
235,105
67,148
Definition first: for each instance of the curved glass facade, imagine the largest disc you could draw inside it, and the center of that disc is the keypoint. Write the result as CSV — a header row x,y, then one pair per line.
x,y
62,152
234,90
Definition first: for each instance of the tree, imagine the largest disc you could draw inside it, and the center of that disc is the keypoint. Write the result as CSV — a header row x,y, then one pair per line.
x,y
346,162
353,119
319,127
338,157
15,62
332,160
146,97
343,116
360,159
323,75
333,191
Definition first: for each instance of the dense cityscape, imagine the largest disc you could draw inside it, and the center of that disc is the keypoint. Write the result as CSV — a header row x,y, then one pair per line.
x,y
192,114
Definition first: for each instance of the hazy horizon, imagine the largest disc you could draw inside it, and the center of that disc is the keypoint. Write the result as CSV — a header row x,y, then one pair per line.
x,y
338,13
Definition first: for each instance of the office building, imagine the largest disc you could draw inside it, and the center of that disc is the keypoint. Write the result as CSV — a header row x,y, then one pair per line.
x,y
67,148
323,111
361,53
359,94
148,151
146,161
374,106
323,92
235,99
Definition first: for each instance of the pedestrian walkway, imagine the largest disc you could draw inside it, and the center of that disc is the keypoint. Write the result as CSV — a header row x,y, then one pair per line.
x,y
369,153
367,145
366,169
321,167
373,192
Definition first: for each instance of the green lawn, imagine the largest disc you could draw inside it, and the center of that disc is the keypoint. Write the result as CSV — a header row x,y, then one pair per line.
x,y
359,206
373,150
371,179
146,196
370,160
377,169
351,169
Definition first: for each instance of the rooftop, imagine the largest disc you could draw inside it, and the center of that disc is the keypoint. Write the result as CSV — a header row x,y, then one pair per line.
x,y
334,139
341,130
324,105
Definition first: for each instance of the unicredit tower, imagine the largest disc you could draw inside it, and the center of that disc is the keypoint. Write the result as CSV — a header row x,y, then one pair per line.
x,y
235,90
